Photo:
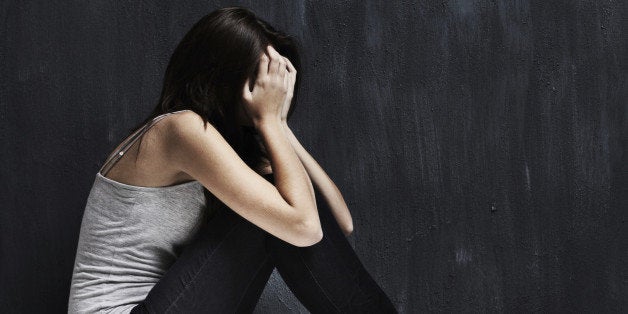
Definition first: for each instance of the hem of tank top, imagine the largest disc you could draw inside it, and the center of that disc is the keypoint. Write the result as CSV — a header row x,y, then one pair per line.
x,y
158,188
144,188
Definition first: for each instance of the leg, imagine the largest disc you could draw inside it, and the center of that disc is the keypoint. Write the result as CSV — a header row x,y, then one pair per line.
x,y
223,270
328,277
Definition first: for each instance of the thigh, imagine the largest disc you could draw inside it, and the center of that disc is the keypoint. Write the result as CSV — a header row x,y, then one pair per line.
x,y
223,270
328,277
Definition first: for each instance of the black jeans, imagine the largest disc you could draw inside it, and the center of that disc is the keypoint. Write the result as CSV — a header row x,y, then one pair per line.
x,y
226,267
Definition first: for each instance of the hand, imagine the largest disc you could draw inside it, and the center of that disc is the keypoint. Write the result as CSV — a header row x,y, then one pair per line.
x,y
270,90
292,77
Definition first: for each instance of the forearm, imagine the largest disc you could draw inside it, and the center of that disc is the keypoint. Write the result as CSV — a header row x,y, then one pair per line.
x,y
323,182
290,176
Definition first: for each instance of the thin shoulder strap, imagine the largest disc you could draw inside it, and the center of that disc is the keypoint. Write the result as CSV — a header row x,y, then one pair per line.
x,y
130,141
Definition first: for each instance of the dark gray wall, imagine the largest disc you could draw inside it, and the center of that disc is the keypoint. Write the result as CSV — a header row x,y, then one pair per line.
x,y
481,145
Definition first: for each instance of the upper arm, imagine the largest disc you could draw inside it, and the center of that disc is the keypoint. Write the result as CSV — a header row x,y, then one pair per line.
x,y
204,154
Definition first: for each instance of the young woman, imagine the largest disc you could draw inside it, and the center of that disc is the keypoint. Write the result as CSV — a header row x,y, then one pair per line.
x,y
194,216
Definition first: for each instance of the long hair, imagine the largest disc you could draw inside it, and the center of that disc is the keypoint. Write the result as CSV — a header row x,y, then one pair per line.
x,y
207,71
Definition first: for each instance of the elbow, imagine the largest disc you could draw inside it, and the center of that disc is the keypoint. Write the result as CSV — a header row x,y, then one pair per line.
x,y
310,233
348,229
317,236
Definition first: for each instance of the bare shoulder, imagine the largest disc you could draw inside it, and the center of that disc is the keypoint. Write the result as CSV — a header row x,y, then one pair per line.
x,y
186,135
182,127
185,121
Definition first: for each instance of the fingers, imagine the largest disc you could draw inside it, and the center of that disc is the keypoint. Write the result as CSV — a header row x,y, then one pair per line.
x,y
291,68
263,66
286,63
288,77
272,66
277,63
286,80
292,74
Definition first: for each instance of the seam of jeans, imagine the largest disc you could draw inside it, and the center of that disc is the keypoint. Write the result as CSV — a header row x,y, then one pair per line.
x,y
185,288
318,284
249,284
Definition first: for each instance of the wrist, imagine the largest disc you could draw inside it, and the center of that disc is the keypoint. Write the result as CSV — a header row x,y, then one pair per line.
x,y
265,121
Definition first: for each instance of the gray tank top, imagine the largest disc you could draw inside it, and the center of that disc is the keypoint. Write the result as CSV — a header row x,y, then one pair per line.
x,y
129,237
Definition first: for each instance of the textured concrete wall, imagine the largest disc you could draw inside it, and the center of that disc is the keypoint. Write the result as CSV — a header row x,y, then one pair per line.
x,y
481,145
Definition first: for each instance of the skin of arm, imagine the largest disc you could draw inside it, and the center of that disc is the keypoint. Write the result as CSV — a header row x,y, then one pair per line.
x,y
323,182
272,133
285,209
314,172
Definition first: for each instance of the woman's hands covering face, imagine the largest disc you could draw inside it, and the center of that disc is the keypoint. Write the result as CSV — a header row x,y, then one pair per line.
x,y
291,77
273,89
